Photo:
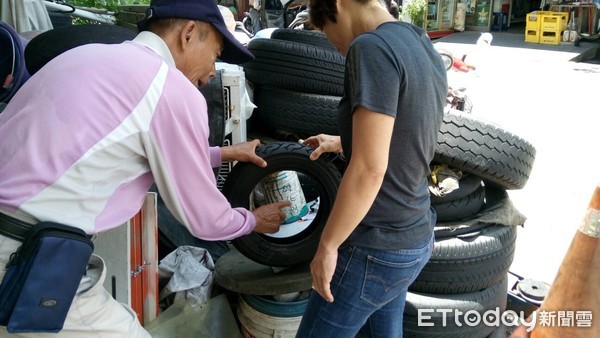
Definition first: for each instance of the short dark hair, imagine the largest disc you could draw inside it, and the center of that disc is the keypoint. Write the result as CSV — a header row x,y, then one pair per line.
x,y
321,11
160,26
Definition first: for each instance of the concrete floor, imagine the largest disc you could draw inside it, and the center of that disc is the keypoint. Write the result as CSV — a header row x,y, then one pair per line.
x,y
536,92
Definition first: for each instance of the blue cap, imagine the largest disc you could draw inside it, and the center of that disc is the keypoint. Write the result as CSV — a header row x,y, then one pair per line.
x,y
202,10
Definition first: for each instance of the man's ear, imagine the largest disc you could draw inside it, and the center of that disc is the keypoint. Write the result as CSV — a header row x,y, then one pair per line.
x,y
187,33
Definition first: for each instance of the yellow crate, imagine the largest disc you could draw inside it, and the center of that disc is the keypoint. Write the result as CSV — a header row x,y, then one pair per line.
x,y
542,12
550,37
532,35
533,21
552,22
565,19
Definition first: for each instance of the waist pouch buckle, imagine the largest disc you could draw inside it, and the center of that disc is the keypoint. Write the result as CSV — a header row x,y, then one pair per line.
x,y
42,278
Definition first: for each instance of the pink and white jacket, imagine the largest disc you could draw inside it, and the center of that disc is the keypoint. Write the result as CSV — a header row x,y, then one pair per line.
x,y
85,137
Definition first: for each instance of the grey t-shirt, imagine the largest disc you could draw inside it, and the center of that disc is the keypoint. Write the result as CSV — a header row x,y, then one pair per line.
x,y
395,70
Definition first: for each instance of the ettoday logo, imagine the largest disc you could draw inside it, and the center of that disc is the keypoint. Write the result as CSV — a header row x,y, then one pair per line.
x,y
508,318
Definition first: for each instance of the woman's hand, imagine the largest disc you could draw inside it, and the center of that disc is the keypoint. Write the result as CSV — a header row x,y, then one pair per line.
x,y
323,143
243,152
322,268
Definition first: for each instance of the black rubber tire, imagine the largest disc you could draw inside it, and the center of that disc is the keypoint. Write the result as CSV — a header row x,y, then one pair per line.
x,y
461,209
49,44
499,332
455,229
213,93
301,113
313,38
466,186
483,149
295,66
446,57
60,19
480,301
244,177
468,263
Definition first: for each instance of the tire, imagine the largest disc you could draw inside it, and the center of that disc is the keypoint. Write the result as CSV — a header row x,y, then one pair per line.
x,y
468,263
463,208
313,38
493,298
297,248
213,93
466,186
60,19
499,332
49,44
486,217
301,113
295,66
483,149
446,57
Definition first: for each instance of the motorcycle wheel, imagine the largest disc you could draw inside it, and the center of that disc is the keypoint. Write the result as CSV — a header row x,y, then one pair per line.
x,y
296,242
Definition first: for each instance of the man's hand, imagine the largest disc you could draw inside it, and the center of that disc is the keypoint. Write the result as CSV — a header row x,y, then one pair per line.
x,y
269,217
243,152
323,143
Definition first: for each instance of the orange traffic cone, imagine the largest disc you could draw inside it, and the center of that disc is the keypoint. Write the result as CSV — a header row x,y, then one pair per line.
x,y
574,298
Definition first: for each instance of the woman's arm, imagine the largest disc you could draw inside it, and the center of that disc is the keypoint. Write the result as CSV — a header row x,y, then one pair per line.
x,y
371,137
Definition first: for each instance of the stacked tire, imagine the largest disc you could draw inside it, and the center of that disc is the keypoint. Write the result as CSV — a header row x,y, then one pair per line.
x,y
475,236
298,82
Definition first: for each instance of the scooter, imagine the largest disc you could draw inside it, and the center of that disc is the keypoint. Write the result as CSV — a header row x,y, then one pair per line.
x,y
290,14
457,98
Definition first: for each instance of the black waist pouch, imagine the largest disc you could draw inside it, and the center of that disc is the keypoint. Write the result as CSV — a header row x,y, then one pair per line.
x,y
42,277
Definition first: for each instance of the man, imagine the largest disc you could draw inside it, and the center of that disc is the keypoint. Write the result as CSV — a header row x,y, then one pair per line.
x,y
85,138
379,234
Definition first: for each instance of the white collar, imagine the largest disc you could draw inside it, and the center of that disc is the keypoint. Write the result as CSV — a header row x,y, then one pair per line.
x,y
157,44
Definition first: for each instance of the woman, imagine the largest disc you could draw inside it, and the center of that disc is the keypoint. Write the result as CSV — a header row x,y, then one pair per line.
x,y
379,234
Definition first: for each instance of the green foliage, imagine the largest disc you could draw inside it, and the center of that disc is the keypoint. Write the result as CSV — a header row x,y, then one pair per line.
x,y
110,5
417,11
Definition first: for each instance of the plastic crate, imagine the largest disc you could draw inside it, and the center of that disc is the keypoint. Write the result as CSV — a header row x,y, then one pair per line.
x,y
565,19
534,19
550,37
532,35
552,22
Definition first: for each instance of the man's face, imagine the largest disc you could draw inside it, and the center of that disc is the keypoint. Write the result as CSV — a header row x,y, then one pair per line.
x,y
199,59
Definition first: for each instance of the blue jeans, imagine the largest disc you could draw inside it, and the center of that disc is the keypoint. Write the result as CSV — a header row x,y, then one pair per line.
x,y
369,287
